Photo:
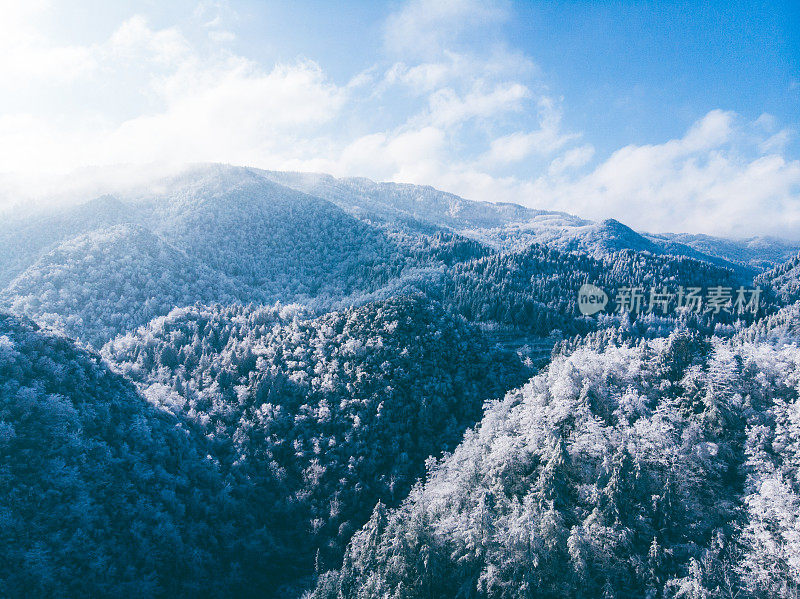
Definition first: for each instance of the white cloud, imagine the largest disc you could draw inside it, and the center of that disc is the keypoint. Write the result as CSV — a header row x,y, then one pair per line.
x,y
242,115
715,179
452,68
475,121
544,141
448,108
29,55
424,28
214,108
712,130
135,40
572,159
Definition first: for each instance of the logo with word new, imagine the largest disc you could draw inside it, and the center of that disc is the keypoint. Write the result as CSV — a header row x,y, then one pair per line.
x,y
591,299
634,300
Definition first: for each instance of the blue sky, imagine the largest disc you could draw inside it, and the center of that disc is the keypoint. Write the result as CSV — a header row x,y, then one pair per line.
x,y
677,116
659,66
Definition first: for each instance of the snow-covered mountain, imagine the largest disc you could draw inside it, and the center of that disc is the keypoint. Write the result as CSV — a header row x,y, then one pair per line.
x,y
105,494
663,469
784,278
343,409
180,206
103,283
233,220
510,226
280,352
222,234
758,252
25,239
393,201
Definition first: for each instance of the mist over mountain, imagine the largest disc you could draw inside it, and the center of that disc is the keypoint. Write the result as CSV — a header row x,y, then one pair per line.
x,y
25,239
396,200
100,284
757,252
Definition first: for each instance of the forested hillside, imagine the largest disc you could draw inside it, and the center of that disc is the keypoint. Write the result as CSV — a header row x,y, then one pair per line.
x,y
325,415
263,234
781,327
784,279
536,289
106,495
283,245
104,283
25,239
660,469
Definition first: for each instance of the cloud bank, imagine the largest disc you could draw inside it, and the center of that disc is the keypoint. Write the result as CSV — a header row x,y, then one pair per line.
x,y
447,103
